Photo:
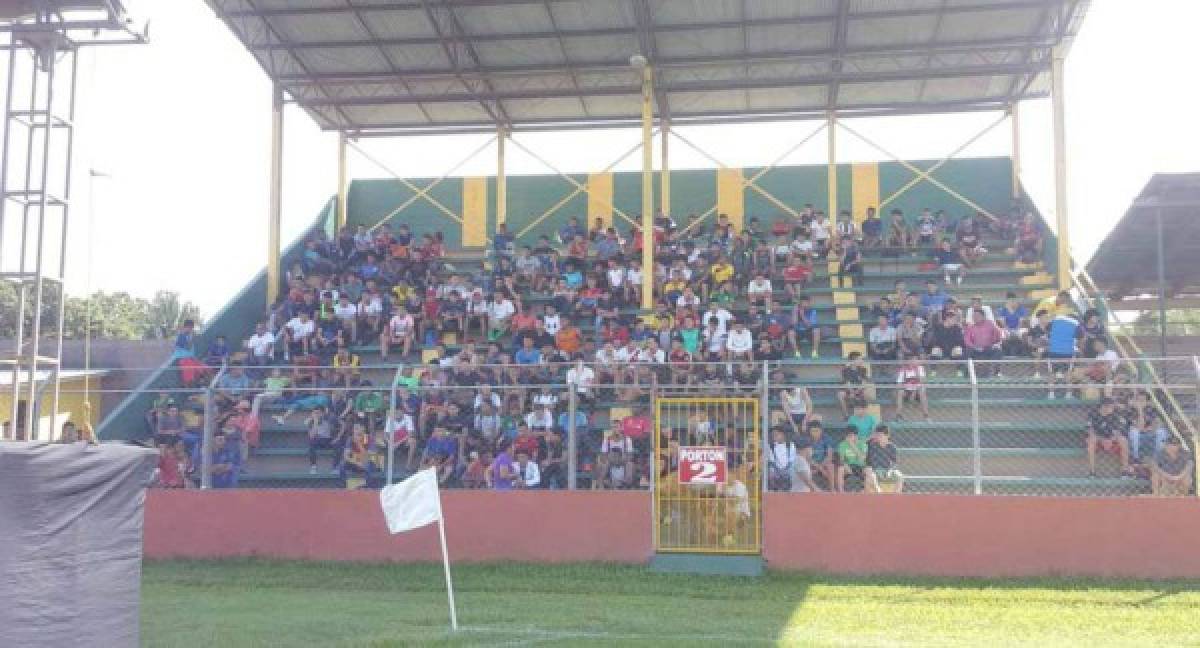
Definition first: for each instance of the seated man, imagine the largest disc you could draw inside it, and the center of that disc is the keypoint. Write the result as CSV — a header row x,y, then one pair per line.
x,y
805,327
614,462
398,332
881,340
1106,429
911,381
856,382
983,339
1171,475
852,459
881,462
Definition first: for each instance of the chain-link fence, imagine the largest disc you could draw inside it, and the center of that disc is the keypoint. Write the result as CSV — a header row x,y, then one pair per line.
x,y
1098,427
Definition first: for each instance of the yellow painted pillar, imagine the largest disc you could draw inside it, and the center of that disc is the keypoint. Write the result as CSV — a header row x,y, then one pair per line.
x,y
600,197
501,179
275,212
343,185
864,189
1015,116
647,188
1060,169
474,215
831,131
664,183
731,196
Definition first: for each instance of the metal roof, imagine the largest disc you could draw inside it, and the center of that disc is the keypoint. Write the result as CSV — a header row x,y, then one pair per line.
x,y
364,66
1126,263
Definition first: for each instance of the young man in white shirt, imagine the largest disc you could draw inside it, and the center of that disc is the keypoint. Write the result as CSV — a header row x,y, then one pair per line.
x,y
740,343
347,315
633,283
581,377
716,312
552,321
759,290
398,332
299,333
261,346
500,313
529,475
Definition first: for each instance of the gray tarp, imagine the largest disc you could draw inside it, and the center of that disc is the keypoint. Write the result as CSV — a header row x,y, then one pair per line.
x,y
71,543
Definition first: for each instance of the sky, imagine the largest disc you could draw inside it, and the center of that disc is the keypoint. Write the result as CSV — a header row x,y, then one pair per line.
x,y
180,128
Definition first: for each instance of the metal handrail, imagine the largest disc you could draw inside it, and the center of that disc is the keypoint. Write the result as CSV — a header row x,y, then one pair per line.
x,y
1125,344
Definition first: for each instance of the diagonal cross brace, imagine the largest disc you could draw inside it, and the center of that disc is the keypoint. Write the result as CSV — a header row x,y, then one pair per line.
x,y
751,181
925,175
921,173
420,192
579,186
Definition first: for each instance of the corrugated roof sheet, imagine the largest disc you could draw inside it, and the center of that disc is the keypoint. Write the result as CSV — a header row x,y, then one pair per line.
x,y
442,65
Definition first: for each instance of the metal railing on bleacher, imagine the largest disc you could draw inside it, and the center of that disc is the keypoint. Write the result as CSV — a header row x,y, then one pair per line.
x,y
1013,426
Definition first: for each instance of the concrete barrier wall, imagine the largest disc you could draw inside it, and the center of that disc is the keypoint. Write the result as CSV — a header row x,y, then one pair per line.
x,y
911,534
556,526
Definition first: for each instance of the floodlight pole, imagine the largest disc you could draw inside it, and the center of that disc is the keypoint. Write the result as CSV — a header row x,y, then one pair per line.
x,y
501,178
647,188
831,131
1014,115
275,212
1060,168
664,183
343,185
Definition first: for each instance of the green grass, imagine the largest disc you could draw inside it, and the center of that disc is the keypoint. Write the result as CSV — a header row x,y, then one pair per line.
x,y
263,603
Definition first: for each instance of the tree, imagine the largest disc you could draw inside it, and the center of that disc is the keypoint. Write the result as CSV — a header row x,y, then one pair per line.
x,y
118,316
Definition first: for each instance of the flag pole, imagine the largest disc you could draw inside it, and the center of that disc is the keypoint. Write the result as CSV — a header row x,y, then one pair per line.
x,y
446,564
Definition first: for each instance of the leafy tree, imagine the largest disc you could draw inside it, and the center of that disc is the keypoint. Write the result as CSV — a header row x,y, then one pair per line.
x,y
118,315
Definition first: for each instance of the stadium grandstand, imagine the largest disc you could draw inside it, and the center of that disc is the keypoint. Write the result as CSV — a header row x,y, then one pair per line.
x,y
457,322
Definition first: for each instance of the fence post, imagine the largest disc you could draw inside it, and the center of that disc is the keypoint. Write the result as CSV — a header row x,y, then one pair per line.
x,y
1195,437
976,459
210,425
390,422
572,437
765,418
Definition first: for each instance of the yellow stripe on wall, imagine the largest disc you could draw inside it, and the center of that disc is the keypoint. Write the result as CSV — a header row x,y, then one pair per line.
x,y
731,196
864,183
600,198
475,205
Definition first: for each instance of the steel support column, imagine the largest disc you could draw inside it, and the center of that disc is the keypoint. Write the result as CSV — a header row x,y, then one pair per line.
x,y
647,188
501,179
1014,114
1162,286
275,212
664,183
1063,272
831,131
343,185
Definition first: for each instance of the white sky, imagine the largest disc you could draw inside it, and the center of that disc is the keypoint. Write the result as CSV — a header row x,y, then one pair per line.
x,y
183,127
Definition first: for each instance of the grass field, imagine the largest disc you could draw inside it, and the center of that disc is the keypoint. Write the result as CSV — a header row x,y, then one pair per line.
x,y
262,603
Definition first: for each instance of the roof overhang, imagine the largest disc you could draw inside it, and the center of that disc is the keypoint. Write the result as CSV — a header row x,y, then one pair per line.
x,y
399,66
1126,262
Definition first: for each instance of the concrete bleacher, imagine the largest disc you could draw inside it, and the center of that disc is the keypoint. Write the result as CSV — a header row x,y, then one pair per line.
x,y
1031,444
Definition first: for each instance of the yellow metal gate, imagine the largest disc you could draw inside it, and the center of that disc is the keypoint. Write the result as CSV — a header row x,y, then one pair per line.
x,y
707,487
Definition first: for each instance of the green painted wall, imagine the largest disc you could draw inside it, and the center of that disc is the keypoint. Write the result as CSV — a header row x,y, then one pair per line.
x,y
985,181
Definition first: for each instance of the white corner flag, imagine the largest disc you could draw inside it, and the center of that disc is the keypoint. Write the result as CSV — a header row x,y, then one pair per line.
x,y
414,503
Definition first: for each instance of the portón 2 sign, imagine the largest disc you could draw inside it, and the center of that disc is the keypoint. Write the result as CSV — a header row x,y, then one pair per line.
x,y
702,465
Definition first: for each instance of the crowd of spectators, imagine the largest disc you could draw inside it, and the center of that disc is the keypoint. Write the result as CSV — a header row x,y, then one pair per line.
x,y
488,353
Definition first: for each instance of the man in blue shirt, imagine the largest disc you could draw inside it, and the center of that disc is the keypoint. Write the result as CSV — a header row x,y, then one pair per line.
x,y
569,231
804,326
1061,336
934,299
527,354
503,242
226,463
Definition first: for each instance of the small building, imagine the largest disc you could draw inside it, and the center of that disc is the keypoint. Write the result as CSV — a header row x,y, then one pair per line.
x,y
77,387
